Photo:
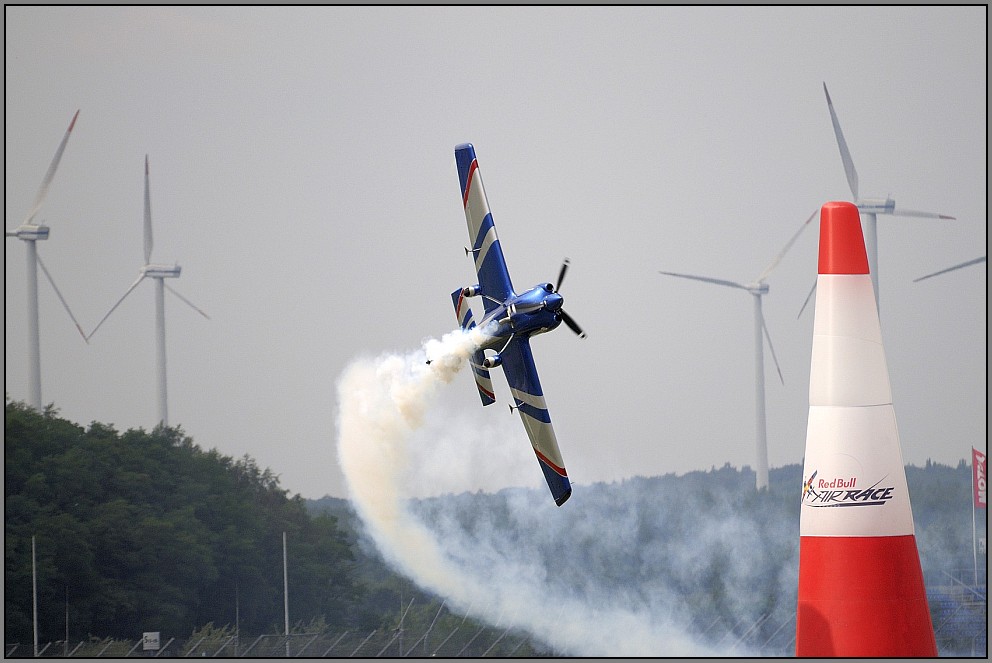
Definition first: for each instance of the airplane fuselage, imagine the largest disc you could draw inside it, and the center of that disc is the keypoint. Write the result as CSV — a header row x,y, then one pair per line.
x,y
535,311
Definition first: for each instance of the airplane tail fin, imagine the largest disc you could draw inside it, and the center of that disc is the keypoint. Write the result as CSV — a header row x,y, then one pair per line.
x,y
463,313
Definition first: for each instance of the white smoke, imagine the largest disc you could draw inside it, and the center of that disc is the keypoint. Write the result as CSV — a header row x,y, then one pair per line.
x,y
384,406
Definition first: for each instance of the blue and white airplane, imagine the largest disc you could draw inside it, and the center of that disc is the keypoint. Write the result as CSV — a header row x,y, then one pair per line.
x,y
510,320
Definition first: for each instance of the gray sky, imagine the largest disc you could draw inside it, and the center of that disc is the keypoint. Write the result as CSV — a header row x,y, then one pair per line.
x,y
303,176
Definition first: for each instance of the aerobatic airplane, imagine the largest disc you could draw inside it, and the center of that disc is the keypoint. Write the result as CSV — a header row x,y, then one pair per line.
x,y
510,320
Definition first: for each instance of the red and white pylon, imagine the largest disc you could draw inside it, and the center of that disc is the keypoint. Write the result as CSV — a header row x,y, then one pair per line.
x,y
861,589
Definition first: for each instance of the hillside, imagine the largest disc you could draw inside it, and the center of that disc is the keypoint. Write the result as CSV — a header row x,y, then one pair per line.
x,y
146,528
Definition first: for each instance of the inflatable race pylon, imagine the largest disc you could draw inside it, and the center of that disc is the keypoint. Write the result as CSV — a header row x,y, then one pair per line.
x,y
861,589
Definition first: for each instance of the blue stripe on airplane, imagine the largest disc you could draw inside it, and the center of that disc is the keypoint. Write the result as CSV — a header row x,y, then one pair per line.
x,y
536,413
493,277
560,487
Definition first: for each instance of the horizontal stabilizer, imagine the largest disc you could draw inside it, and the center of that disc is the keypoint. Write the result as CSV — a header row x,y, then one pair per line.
x,y
463,313
482,379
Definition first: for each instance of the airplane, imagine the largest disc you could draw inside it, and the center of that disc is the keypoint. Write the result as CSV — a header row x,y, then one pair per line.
x,y
510,320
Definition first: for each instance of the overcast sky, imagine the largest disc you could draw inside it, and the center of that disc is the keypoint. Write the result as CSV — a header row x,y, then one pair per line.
x,y
303,176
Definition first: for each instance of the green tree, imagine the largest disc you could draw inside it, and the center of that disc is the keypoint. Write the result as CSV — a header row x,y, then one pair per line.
x,y
143,530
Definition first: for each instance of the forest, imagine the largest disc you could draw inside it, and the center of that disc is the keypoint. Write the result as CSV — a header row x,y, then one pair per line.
x,y
145,530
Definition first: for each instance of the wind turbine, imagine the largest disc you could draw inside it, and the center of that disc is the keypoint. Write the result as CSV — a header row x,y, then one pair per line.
x,y
967,263
158,273
29,232
869,208
757,288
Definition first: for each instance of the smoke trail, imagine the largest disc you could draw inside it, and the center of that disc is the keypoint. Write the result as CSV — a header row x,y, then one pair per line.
x,y
523,568
382,403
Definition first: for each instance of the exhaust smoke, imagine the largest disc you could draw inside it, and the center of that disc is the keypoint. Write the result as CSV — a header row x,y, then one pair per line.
x,y
520,563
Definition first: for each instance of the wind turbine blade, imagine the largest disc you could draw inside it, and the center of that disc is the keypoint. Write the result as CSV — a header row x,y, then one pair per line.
x,y
808,297
967,263
706,279
771,347
50,175
112,308
920,215
845,154
191,304
778,258
148,217
61,298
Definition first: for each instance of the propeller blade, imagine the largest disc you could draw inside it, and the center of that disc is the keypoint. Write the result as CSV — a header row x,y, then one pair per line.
x,y
788,245
811,291
567,319
706,279
112,308
50,175
61,298
845,154
771,347
191,304
148,217
561,274
975,261
920,215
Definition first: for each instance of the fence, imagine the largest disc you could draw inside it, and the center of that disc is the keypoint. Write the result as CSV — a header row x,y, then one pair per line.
x,y
959,614
459,642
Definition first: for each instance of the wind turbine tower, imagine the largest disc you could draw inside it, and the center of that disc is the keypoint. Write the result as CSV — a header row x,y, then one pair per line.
x,y
869,208
758,289
30,233
158,273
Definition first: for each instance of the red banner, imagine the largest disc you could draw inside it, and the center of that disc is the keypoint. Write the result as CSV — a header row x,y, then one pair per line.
x,y
980,478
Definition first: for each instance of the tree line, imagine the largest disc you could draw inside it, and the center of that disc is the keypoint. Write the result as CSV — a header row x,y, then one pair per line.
x,y
146,531
142,531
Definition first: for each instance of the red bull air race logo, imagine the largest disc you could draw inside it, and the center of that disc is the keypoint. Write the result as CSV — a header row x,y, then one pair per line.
x,y
843,491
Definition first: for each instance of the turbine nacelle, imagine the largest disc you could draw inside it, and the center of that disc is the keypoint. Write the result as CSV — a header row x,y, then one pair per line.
x,y
161,271
759,288
29,232
876,205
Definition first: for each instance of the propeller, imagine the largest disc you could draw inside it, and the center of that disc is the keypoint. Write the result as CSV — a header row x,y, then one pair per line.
x,y
561,274
845,153
50,174
974,261
149,244
58,292
565,317
808,297
149,240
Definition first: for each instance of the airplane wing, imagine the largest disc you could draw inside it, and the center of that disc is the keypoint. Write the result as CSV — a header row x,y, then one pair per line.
x,y
525,387
494,279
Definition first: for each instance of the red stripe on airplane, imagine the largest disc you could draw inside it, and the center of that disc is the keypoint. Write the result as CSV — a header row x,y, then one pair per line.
x,y
468,181
544,459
